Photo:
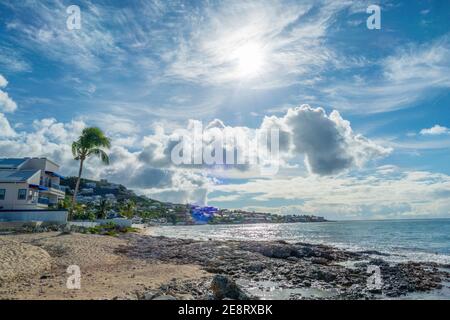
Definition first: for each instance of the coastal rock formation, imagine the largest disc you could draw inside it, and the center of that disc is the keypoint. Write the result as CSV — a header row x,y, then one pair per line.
x,y
334,273
137,266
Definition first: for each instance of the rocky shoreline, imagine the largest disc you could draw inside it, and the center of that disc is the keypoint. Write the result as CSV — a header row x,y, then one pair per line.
x,y
304,270
139,266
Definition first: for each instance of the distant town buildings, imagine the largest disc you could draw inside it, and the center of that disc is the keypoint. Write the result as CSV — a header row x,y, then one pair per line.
x,y
92,194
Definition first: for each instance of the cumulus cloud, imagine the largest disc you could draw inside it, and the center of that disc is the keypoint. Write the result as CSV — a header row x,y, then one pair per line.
x,y
5,127
435,130
6,103
52,139
327,141
3,81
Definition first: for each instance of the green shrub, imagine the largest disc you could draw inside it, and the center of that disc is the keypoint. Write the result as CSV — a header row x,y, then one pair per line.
x,y
110,229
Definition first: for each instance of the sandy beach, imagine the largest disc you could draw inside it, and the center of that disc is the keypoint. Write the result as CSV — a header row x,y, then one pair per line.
x,y
33,266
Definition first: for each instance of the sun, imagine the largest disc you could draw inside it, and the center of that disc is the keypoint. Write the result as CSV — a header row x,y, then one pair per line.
x,y
249,60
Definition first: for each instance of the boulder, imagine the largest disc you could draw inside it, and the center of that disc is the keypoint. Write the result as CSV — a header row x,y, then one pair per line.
x,y
275,250
224,287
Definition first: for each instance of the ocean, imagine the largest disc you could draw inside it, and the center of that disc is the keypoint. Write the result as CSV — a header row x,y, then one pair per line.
x,y
403,240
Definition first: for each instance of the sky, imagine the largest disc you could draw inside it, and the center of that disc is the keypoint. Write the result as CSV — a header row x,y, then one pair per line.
x,y
362,113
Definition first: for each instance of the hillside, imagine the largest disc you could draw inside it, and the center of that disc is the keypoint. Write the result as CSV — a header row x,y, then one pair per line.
x,y
103,187
103,198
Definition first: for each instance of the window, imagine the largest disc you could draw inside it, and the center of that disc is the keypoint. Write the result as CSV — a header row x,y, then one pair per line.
x,y
2,194
22,194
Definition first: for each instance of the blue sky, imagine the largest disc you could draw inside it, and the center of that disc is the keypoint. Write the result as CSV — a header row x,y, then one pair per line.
x,y
142,69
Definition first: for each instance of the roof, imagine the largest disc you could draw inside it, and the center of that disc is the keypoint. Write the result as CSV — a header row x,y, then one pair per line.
x,y
16,176
11,163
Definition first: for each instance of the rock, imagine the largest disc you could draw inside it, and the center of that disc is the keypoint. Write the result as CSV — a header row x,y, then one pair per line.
x,y
186,296
299,264
303,252
255,267
224,287
322,261
325,276
379,262
275,250
164,297
66,229
307,283
374,252
149,295
375,291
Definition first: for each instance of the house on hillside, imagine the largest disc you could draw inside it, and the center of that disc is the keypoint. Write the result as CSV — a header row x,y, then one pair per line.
x,y
29,184
91,185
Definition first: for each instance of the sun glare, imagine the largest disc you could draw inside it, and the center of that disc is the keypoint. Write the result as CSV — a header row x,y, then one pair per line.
x,y
249,60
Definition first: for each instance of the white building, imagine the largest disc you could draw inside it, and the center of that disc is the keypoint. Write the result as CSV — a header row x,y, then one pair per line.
x,y
29,184
87,191
91,185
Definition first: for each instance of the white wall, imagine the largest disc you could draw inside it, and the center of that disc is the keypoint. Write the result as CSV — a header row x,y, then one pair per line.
x,y
43,165
117,221
12,202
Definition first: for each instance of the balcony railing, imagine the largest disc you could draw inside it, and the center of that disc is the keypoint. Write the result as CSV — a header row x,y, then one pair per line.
x,y
55,187
43,201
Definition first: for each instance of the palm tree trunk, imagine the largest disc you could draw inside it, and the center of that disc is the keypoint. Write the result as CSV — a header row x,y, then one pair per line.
x,y
77,186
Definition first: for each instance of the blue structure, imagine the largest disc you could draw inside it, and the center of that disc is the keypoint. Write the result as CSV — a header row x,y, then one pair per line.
x,y
52,216
202,215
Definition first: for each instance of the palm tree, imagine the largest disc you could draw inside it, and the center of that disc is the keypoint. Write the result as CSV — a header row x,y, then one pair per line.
x,y
102,209
90,143
128,207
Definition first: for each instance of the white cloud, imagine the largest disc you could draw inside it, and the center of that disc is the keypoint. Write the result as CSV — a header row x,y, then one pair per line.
x,y
3,81
12,61
5,127
386,191
6,103
145,164
47,32
52,139
327,141
435,130
286,46
372,195
406,77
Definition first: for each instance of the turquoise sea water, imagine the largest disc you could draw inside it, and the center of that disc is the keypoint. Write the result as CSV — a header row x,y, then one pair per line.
x,y
415,240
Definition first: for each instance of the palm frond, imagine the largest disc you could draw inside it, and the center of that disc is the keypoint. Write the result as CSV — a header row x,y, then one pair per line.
x,y
75,149
101,154
94,137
